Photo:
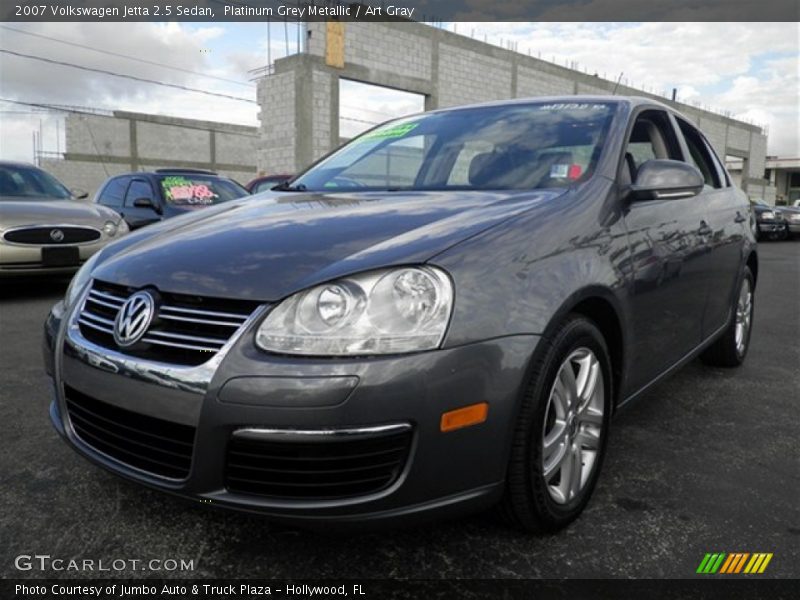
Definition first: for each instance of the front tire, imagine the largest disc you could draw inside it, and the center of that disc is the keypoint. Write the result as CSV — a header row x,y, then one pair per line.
x,y
560,438
731,348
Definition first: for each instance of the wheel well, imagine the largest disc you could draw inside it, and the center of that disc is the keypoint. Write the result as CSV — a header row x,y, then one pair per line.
x,y
603,314
752,262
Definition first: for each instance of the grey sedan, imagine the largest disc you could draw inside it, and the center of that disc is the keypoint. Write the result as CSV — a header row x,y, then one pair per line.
x,y
439,317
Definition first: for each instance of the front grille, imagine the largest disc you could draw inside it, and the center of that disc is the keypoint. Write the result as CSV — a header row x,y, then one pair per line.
x,y
160,447
317,470
187,330
43,236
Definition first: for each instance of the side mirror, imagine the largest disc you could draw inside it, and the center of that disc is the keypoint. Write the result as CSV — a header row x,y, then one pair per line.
x,y
146,203
660,179
79,194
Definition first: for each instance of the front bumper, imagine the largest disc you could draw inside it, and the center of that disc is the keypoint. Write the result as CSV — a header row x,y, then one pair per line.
x,y
23,260
773,227
445,474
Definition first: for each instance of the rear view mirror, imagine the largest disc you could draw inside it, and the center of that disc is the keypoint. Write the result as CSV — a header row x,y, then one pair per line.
x,y
79,194
661,179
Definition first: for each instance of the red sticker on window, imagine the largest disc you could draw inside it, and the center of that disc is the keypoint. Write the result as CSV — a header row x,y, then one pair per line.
x,y
574,172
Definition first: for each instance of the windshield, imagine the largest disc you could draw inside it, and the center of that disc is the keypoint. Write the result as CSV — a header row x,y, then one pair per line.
x,y
199,190
513,147
19,182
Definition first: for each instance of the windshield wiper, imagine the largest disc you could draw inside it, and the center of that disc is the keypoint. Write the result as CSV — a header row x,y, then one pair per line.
x,y
285,186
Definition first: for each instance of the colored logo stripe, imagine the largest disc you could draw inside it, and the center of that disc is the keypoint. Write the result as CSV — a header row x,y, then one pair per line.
x,y
711,563
721,562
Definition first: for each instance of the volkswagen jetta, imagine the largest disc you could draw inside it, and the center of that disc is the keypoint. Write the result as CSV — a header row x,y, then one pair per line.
x,y
441,316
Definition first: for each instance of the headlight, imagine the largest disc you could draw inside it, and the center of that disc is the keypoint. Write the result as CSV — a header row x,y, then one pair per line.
x,y
768,214
80,280
382,312
110,228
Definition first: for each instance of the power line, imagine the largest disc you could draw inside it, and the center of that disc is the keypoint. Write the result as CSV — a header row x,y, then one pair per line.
x,y
141,60
131,77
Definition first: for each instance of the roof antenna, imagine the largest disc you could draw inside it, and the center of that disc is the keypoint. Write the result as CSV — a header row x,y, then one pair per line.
x,y
616,85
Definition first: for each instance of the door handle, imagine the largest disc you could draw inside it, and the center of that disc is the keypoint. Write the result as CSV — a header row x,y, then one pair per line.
x,y
739,218
704,229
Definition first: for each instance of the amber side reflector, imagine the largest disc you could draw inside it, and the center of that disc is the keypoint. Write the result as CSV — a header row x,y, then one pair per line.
x,y
464,417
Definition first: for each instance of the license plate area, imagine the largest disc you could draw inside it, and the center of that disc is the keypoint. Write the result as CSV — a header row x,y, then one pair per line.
x,y
60,257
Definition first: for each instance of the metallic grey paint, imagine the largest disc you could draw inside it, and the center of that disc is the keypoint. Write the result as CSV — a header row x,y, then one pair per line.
x,y
662,274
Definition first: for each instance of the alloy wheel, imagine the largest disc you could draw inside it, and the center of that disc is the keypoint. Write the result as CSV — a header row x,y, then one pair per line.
x,y
573,425
744,313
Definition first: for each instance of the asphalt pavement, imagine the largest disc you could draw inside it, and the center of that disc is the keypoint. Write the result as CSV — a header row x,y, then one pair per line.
x,y
707,461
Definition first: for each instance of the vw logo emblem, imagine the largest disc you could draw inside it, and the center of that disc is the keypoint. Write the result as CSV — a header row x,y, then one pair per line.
x,y
134,318
56,235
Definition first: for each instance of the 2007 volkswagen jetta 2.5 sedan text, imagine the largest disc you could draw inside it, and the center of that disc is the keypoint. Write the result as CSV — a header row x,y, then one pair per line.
x,y
441,316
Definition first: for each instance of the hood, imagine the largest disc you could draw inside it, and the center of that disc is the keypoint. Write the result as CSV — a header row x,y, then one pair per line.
x,y
46,211
265,248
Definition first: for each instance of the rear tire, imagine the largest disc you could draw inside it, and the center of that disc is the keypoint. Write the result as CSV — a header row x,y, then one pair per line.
x,y
731,348
560,437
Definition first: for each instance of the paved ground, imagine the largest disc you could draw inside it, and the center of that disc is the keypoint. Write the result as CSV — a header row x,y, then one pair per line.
x,y
708,461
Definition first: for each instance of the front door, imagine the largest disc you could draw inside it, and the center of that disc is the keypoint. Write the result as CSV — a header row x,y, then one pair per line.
x,y
669,259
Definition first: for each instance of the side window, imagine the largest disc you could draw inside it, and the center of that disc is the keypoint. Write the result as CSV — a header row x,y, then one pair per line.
x,y
724,178
138,189
113,193
652,137
699,154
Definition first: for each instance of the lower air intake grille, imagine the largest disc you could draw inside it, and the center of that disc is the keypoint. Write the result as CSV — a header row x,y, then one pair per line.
x,y
160,447
316,470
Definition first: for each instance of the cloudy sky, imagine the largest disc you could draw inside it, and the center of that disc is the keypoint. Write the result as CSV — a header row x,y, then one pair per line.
x,y
748,69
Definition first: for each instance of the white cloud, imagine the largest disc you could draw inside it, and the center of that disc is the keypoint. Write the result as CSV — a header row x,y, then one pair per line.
x,y
724,65
698,59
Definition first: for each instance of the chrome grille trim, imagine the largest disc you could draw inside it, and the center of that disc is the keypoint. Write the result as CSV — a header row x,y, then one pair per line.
x,y
199,331
107,330
200,321
206,313
94,294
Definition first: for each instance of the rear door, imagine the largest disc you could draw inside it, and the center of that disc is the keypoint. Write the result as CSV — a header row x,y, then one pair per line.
x,y
668,258
139,216
727,218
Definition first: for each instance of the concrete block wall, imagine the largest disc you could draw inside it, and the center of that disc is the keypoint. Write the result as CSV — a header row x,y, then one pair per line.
x,y
100,146
466,77
278,135
158,140
394,47
448,70
82,175
538,82
97,135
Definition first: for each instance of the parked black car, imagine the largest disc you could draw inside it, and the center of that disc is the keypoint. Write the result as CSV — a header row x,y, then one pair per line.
x,y
441,316
143,198
770,221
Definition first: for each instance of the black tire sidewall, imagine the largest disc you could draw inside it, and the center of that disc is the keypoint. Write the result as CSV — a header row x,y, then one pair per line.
x,y
578,332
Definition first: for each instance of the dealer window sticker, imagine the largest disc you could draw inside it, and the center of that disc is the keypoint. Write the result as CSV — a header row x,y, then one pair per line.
x,y
392,131
180,190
